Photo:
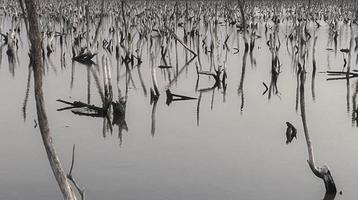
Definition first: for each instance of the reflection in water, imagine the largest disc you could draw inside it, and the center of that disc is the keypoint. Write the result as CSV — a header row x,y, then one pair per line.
x,y
198,109
275,72
154,110
180,72
314,69
175,97
149,47
24,105
73,68
354,105
88,85
274,45
242,79
119,116
347,74
141,80
112,112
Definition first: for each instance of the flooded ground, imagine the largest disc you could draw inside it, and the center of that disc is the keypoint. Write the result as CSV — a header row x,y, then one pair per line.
x,y
227,143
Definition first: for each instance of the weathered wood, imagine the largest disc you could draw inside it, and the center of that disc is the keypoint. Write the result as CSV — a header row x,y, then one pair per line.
x,y
321,172
84,108
70,177
242,11
36,54
94,42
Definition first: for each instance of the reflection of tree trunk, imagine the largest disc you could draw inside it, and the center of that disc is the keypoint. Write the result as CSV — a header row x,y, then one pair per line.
x,y
88,86
154,78
241,8
314,68
321,172
141,80
241,85
297,89
348,71
36,44
73,67
354,105
198,109
154,109
27,92
175,78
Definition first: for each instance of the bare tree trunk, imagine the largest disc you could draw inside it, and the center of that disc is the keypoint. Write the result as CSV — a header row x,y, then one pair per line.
x,y
36,59
321,172
242,11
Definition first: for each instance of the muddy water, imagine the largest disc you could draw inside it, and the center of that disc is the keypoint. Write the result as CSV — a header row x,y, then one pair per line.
x,y
229,148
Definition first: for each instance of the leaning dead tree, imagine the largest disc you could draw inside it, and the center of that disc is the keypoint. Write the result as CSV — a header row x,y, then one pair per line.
x,y
38,67
321,172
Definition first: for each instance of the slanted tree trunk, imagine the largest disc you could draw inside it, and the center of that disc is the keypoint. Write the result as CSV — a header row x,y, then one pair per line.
x,y
321,172
36,59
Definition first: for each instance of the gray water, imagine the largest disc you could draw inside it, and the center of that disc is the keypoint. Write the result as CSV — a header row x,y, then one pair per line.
x,y
228,152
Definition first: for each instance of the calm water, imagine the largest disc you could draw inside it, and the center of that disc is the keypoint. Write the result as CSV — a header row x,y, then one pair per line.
x,y
228,152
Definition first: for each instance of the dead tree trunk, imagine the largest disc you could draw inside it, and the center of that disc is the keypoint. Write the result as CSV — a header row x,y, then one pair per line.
x,y
321,172
36,59
244,25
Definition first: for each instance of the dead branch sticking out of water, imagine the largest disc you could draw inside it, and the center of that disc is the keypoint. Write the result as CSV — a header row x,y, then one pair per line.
x,y
314,69
91,110
217,75
36,54
241,8
181,42
321,172
80,190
